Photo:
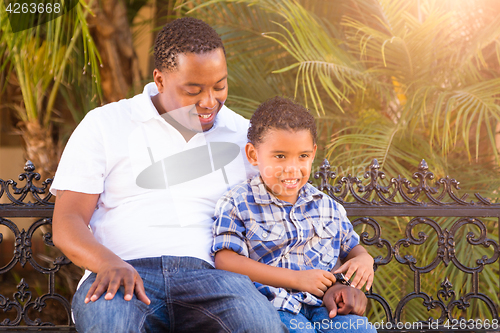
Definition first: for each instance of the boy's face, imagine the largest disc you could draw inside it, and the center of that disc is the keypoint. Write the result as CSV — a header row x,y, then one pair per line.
x,y
284,159
195,91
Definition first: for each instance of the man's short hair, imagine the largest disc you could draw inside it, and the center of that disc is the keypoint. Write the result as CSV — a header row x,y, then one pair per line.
x,y
184,35
280,113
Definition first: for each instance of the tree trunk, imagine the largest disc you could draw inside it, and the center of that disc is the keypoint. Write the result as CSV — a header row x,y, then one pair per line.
x,y
40,148
120,76
165,12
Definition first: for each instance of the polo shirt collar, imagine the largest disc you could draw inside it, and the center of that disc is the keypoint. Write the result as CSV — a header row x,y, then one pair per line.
x,y
224,119
147,111
144,109
262,196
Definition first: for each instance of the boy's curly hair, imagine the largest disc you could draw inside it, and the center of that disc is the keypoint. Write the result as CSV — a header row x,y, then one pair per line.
x,y
279,113
184,35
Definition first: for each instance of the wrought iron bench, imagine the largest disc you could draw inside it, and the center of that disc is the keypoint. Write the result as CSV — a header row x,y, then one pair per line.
x,y
434,220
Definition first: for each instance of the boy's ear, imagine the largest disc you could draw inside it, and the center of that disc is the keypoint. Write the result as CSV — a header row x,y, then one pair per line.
x,y
251,153
314,151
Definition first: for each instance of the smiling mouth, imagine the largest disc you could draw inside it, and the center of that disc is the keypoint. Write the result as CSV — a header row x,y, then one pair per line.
x,y
205,116
290,182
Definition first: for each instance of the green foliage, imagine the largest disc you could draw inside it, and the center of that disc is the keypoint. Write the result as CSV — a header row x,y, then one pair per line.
x,y
395,80
426,75
49,56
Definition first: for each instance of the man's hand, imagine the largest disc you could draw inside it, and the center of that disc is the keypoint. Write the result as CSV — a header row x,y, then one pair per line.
x,y
341,299
71,234
314,281
114,275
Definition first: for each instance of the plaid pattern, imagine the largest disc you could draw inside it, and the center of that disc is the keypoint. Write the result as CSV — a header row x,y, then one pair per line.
x,y
312,233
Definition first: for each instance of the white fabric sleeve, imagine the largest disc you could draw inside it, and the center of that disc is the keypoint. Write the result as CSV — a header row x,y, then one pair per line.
x,y
82,166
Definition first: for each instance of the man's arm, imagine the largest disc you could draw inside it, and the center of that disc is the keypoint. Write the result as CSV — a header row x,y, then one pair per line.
x,y
72,213
314,281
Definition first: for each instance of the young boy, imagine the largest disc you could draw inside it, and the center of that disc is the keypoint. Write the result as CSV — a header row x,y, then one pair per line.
x,y
282,232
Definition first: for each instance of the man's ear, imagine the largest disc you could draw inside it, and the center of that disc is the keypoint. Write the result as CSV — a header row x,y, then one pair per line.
x,y
251,153
158,78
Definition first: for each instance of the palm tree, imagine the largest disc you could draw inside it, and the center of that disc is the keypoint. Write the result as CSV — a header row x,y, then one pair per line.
x,y
395,80
111,29
43,61
52,67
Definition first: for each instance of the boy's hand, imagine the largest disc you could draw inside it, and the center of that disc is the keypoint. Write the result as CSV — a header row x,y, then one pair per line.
x,y
314,281
362,265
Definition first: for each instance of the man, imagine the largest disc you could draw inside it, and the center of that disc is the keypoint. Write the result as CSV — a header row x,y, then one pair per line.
x,y
136,189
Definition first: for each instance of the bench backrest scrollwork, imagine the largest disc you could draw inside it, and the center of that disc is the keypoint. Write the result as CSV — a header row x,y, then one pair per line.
x,y
423,205
20,307
367,202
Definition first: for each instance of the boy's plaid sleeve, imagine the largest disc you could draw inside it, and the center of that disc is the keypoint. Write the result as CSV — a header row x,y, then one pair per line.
x,y
349,237
229,230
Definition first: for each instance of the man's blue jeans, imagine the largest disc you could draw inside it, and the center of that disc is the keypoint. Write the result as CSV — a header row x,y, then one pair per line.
x,y
187,295
314,319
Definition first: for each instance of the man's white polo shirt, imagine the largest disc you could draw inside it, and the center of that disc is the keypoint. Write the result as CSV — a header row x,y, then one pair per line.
x,y
111,149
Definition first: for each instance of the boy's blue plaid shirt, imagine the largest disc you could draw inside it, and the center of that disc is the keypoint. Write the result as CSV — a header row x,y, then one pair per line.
x,y
312,233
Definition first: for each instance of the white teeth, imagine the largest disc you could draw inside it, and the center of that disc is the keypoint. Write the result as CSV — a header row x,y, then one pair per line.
x,y
290,182
204,116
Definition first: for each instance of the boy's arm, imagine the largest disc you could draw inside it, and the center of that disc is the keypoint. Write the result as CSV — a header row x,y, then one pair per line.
x,y
314,281
358,261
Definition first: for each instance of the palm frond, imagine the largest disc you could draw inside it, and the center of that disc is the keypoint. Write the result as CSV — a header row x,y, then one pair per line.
x,y
40,58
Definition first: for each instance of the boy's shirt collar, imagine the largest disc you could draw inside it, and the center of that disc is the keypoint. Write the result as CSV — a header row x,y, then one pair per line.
x,y
262,196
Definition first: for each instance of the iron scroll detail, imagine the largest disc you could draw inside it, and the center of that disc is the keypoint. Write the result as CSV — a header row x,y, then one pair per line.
x,y
30,200
17,195
349,190
424,204
364,200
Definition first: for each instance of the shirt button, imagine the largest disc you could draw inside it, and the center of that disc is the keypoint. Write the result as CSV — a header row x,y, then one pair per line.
x,y
301,234
286,256
296,306
264,234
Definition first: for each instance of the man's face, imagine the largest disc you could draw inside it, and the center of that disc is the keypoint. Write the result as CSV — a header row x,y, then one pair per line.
x,y
284,159
195,91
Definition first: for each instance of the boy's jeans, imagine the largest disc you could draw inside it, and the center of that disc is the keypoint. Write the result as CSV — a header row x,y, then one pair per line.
x,y
314,319
187,295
